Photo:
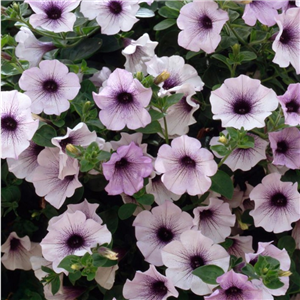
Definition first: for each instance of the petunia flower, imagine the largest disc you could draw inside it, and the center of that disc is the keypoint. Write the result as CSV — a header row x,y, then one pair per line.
x,y
24,166
186,166
46,181
105,276
290,104
192,251
235,286
155,229
149,285
285,146
240,245
263,11
277,204
99,77
73,234
112,15
17,125
50,87
126,169
138,52
201,23
287,42
243,102
240,158
53,15
17,252
180,72
296,234
123,101
37,262
214,220
31,49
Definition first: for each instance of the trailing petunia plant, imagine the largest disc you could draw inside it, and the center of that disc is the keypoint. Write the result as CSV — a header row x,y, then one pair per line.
x,y
150,149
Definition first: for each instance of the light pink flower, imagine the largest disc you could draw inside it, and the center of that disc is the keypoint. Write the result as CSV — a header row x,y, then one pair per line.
x,y
73,234
17,125
50,87
149,285
53,15
45,177
31,49
296,234
126,169
105,276
240,245
37,262
186,166
17,252
287,42
277,204
290,104
99,77
242,102
214,220
112,15
192,251
201,23
123,101
155,229
285,146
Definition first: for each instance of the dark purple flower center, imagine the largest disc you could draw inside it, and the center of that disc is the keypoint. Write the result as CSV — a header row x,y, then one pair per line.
x,y
185,106
115,7
188,162
206,214
157,178
171,82
233,292
53,12
282,147
37,149
205,22
69,178
286,36
253,261
164,234
159,289
279,200
8,123
75,241
124,98
196,262
122,163
50,86
65,142
292,106
241,107
14,244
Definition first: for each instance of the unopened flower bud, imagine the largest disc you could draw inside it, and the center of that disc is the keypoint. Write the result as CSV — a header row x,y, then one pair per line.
x,y
35,214
222,139
105,252
86,107
76,267
284,273
71,148
139,76
245,1
163,76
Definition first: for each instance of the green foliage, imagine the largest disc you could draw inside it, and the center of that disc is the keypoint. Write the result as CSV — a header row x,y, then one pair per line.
x,y
222,184
209,273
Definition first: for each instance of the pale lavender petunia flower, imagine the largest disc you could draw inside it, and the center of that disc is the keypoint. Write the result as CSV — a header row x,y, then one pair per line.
x,y
277,204
126,169
296,234
50,87
180,72
156,229
201,23
138,52
186,166
149,285
17,125
74,234
263,11
99,77
105,276
64,292
192,251
17,252
285,146
53,15
240,158
37,262
46,181
235,286
287,42
112,15
290,104
31,49
123,101
240,245
214,220
243,102
24,166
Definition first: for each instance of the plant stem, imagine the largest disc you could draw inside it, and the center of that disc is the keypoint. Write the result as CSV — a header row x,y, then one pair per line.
x,y
260,134
166,131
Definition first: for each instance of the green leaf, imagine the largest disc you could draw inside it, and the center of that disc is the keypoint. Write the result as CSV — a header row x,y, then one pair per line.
x,y
177,5
249,271
227,244
95,123
74,276
164,24
247,56
153,127
10,194
145,13
43,136
173,99
222,58
209,273
68,261
55,285
146,199
222,184
220,149
273,284
168,12
234,133
126,210
155,114
288,243
103,156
